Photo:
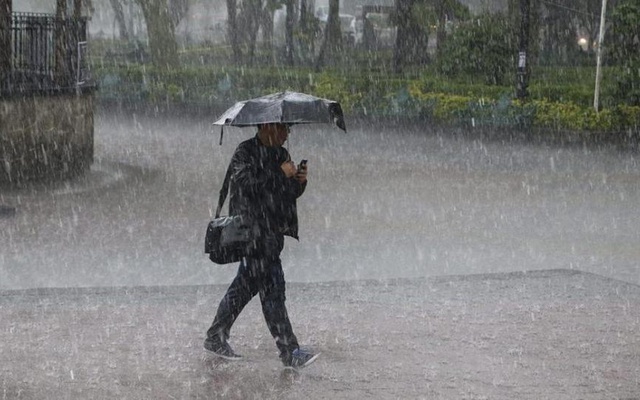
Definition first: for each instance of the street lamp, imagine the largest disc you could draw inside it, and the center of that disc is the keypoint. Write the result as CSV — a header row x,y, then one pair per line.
x,y
596,95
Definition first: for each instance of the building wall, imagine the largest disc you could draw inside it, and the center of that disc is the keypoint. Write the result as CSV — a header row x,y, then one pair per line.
x,y
44,138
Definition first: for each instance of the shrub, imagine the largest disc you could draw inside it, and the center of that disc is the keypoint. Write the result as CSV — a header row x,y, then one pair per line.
x,y
481,47
425,97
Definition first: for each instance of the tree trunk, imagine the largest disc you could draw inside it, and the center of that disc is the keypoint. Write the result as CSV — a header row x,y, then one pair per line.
x,y
307,26
332,42
288,29
178,9
403,15
116,5
253,14
412,37
303,15
266,22
441,33
5,40
162,41
232,30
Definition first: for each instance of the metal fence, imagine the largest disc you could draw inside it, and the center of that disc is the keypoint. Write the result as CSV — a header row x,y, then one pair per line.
x,y
46,52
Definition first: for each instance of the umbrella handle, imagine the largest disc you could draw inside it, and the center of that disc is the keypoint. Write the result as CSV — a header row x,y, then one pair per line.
x,y
221,133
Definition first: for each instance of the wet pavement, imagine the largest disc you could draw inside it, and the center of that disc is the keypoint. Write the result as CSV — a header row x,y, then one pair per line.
x,y
382,202
542,335
432,264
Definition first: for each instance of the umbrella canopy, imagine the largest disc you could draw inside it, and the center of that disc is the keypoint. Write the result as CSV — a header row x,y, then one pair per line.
x,y
284,107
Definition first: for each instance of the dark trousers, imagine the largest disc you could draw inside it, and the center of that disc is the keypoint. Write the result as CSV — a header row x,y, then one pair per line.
x,y
257,275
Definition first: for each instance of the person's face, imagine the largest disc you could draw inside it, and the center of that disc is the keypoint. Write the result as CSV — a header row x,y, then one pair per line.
x,y
280,134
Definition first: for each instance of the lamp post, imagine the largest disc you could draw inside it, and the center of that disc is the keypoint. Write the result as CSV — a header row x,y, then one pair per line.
x,y
596,94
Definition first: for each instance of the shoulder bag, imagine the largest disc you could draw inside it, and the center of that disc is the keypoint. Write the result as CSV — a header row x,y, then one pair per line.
x,y
227,237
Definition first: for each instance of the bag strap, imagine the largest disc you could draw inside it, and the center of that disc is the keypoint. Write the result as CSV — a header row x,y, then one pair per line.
x,y
223,191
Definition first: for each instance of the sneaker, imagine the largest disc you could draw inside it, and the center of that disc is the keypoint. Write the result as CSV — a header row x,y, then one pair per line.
x,y
300,359
222,350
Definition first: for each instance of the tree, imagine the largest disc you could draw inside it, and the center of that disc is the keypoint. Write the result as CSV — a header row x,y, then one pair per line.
x,y
249,18
412,36
413,20
559,29
288,28
514,14
178,9
403,14
625,49
448,10
331,46
306,34
161,32
118,12
244,21
232,30
266,21
589,18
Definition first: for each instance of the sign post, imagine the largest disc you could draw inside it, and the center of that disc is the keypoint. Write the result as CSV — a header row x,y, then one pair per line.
x,y
522,82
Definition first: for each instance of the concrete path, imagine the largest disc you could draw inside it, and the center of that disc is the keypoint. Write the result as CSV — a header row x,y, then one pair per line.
x,y
432,264
556,334
383,202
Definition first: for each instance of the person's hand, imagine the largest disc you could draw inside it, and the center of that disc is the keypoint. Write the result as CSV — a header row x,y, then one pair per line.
x,y
289,169
301,174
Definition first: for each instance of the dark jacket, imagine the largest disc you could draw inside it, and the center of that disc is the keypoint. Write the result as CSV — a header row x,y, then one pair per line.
x,y
260,191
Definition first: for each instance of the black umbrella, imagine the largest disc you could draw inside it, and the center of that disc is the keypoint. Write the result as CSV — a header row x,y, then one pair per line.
x,y
284,107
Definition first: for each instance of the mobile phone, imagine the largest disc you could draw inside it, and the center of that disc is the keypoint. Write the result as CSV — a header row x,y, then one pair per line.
x,y
303,164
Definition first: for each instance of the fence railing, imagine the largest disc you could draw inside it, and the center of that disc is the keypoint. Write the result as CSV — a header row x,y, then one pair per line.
x,y
46,52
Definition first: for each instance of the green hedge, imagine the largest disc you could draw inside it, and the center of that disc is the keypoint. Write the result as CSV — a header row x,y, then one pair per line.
x,y
428,96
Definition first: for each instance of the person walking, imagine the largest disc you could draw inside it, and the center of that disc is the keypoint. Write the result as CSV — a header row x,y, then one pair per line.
x,y
264,187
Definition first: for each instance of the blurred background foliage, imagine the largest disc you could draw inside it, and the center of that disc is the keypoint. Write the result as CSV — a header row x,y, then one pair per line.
x,y
457,70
